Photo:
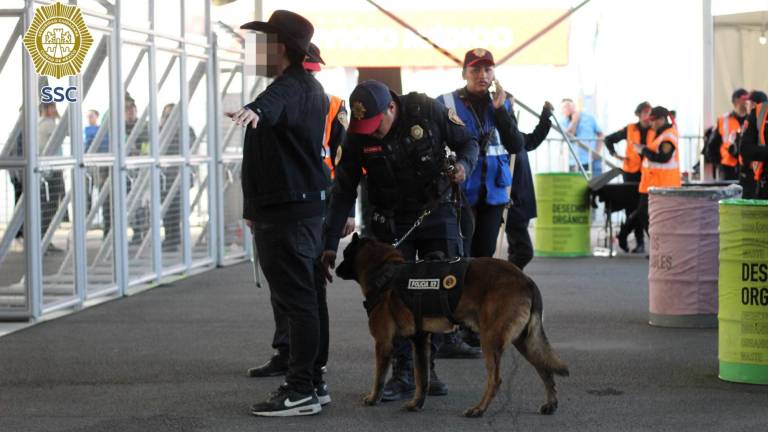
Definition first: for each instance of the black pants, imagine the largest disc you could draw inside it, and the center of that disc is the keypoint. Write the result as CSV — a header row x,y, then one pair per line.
x,y
50,198
438,233
288,255
728,173
629,178
488,220
748,184
520,251
639,218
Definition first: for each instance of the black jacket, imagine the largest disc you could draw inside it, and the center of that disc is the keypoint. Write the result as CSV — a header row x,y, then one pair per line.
x,y
283,169
522,196
751,150
349,169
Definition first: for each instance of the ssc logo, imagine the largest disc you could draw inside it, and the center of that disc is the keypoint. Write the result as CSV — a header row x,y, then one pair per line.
x,y
58,40
449,281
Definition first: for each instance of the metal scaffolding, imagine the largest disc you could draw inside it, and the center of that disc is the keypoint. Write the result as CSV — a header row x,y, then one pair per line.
x,y
153,194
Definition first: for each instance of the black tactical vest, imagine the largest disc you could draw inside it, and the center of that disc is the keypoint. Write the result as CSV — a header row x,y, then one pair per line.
x,y
405,174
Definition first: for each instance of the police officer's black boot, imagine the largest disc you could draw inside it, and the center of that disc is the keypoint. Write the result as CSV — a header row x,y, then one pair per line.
x,y
639,241
455,347
400,386
436,387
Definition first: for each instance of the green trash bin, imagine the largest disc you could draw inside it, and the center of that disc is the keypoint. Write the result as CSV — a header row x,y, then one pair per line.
x,y
562,224
743,291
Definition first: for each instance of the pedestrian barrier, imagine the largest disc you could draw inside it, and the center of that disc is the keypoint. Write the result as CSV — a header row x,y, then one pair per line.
x,y
562,227
682,271
743,291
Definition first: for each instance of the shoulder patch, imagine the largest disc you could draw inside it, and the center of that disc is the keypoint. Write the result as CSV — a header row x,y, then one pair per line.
x,y
453,117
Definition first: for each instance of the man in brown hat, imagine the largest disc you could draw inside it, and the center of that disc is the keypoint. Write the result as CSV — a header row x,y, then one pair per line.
x,y
284,184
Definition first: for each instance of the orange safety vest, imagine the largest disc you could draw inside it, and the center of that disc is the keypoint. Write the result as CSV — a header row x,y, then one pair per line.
x,y
725,126
662,174
632,159
761,111
334,107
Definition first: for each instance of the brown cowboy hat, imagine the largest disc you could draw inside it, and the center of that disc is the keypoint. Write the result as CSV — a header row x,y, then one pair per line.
x,y
294,30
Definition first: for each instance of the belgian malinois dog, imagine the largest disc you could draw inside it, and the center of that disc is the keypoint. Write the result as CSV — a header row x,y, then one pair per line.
x,y
498,301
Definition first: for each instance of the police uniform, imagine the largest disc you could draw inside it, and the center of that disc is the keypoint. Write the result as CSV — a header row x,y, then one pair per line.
x,y
487,187
284,188
406,175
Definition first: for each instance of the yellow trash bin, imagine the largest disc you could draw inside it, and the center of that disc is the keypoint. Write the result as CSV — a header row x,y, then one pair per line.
x,y
562,225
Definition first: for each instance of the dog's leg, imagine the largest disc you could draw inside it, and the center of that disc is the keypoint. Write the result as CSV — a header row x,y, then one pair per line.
x,y
546,376
421,353
494,337
383,332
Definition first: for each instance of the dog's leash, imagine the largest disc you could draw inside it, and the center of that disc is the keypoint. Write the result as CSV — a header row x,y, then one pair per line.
x,y
430,208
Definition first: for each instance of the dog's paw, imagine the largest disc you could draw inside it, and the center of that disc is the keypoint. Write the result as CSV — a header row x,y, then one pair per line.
x,y
474,412
413,406
548,408
369,400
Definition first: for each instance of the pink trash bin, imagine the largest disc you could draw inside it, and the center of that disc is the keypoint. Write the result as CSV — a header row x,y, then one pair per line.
x,y
683,261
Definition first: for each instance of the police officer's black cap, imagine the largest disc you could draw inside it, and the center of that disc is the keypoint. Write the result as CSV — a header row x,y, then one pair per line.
x,y
659,112
739,94
758,97
292,29
367,103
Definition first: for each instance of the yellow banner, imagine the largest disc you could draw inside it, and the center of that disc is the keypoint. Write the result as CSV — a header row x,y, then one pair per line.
x,y
371,39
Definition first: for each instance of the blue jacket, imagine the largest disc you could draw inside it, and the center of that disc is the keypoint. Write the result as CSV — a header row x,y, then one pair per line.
x,y
492,170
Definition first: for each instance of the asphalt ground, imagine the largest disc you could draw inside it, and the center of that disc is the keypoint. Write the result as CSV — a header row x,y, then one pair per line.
x,y
174,359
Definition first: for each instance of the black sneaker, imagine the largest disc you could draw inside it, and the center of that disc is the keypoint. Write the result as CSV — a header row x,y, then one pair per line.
x,y
321,390
287,403
639,249
276,366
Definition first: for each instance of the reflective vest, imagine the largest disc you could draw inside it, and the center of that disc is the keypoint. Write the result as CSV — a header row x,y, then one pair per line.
x,y
334,105
761,111
492,164
728,126
632,159
662,174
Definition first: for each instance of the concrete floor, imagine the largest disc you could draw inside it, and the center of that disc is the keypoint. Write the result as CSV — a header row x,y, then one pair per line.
x,y
174,359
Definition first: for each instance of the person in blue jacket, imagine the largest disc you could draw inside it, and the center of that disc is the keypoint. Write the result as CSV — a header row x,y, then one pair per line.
x,y
488,117
522,206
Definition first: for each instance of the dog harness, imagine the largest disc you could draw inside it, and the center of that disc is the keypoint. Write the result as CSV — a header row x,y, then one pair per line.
x,y
428,288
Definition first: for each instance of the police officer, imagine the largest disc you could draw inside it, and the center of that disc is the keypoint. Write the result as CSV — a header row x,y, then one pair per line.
x,y
754,151
284,183
722,142
660,168
522,199
490,120
637,135
333,135
401,142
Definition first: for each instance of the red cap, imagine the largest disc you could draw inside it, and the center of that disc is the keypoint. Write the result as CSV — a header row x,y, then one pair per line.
x,y
312,66
478,55
367,104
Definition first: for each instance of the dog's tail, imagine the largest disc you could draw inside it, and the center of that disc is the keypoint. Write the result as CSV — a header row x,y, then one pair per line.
x,y
536,342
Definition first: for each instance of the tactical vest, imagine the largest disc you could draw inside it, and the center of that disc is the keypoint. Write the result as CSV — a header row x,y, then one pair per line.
x,y
727,125
662,174
430,288
405,174
493,161
632,159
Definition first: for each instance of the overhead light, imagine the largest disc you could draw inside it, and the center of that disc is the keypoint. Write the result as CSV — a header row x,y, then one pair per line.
x,y
763,39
